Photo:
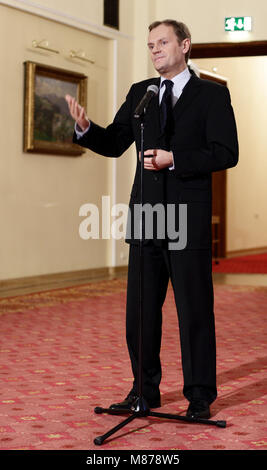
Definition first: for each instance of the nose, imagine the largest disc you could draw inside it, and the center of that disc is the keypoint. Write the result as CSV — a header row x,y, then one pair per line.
x,y
157,48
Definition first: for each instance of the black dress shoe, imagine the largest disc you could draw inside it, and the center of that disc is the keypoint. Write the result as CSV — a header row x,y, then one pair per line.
x,y
129,401
198,409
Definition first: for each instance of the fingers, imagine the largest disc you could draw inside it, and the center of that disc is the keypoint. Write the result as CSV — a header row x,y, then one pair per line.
x,y
152,152
77,112
149,152
70,100
150,164
75,109
81,113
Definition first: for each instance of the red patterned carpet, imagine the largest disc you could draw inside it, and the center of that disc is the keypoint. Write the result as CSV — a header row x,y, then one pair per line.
x,y
63,352
242,264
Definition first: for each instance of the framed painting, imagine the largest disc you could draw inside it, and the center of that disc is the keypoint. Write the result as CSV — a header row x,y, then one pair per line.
x,y
48,125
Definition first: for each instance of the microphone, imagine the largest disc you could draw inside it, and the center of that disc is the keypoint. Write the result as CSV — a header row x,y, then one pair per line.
x,y
152,90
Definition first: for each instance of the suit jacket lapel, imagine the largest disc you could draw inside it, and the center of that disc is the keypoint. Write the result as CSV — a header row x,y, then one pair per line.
x,y
190,90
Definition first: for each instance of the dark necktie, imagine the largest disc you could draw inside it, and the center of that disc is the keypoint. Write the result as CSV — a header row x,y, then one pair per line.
x,y
166,114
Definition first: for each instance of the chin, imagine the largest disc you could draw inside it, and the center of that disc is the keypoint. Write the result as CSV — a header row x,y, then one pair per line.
x,y
160,69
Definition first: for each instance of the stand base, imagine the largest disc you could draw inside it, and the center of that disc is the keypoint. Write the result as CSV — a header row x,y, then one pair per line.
x,y
140,409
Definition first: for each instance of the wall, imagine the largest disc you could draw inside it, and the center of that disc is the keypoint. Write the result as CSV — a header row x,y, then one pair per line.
x,y
206,18
246,183
40,194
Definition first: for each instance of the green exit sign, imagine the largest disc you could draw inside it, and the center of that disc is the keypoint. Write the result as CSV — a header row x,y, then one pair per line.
x,y
237,23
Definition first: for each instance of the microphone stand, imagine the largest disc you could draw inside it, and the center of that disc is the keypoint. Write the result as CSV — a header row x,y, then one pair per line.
x,y
140,407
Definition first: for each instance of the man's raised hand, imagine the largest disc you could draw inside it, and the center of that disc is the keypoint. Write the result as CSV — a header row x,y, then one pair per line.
x,y
77,112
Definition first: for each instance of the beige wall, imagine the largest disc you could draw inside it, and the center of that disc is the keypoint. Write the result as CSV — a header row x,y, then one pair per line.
x,y
206,18
246,183
40,194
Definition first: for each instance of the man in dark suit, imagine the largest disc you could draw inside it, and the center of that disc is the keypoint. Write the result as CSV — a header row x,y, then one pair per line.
x,y
185,141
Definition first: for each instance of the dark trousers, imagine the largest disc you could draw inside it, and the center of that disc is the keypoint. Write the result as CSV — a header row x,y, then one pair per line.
x,y
191,277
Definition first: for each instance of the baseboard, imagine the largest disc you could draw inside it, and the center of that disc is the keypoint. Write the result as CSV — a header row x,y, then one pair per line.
x,y
248,251
12,287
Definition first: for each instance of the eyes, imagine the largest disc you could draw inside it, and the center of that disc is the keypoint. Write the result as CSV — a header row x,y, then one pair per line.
x,y
161,43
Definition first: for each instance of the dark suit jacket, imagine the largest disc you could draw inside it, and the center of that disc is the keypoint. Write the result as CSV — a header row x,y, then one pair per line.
x,y
204,140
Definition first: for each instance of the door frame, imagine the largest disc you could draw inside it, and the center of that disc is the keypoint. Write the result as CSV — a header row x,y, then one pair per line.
x,y
219,180
227,49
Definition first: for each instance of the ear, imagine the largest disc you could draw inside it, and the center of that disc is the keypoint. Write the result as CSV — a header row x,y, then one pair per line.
x,y
186,45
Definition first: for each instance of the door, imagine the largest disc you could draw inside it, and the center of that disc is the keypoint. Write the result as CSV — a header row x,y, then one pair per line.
x,y
218,197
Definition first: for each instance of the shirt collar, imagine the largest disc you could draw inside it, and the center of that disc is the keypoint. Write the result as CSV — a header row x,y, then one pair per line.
x,y
180,80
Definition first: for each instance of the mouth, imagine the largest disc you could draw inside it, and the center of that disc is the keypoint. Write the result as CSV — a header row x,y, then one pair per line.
x,y
158,58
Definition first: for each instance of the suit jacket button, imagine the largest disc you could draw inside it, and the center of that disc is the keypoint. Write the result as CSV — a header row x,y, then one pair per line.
x,y
156,177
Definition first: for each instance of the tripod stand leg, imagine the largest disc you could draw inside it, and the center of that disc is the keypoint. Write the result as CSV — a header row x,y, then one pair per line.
x,y
220,424
100,439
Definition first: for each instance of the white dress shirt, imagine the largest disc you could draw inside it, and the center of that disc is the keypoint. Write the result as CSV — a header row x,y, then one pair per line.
x,y
179,82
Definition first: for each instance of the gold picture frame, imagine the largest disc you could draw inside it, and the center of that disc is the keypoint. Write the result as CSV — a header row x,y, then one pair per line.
x,y
48,125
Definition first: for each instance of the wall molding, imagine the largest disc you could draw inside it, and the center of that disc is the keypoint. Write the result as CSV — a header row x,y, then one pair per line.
x,y
248,251
31,284
44,282
58,15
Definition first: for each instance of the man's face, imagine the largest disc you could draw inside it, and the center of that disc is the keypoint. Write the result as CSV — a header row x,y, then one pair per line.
x,y
167,55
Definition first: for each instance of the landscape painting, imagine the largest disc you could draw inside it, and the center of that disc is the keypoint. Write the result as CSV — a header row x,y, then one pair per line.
x,y
48,125
52,121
